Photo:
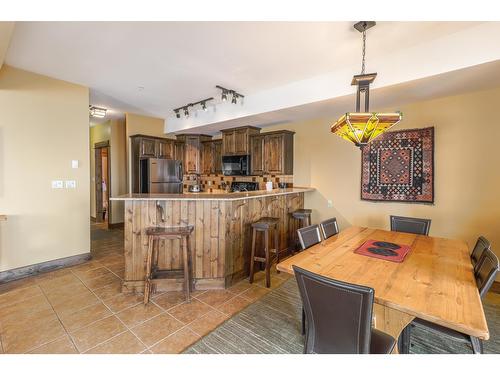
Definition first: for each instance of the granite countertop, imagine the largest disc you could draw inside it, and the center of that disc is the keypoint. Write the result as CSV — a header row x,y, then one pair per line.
x,y
212,195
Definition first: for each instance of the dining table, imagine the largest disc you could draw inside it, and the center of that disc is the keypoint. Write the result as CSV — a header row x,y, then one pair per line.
x,y
435,281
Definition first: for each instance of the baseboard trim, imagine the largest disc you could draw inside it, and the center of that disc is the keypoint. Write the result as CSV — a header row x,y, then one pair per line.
x,y
116,225
35,269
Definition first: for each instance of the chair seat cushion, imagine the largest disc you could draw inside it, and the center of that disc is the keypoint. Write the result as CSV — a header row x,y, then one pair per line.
x,y
440,329
381,342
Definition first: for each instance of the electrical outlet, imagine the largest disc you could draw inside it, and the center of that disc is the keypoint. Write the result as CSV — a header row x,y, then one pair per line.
x,y
57,184
329,203
70,184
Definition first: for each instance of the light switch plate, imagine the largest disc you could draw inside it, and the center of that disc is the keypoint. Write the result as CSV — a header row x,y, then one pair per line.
x,y
70,184
74,164
330,203
57,184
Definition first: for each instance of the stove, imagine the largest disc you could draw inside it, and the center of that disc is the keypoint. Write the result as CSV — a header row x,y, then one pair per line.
x,y
239,186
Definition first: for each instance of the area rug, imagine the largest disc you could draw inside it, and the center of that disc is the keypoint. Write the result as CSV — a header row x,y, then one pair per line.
x,y
272,325
399,166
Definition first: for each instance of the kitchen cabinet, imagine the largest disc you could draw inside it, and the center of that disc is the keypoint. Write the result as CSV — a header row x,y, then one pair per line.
x,y
165,149
237,141
211,157
278,152
179,152
147,147
257,155
217,159
192,151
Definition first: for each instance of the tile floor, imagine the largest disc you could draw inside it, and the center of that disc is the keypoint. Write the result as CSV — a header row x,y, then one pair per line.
x,y
82,310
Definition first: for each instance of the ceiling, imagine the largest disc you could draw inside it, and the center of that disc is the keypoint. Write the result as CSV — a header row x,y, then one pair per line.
x,y
152,67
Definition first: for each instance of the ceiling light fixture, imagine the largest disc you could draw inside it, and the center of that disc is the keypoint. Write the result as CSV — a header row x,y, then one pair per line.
x,y
185,108
97,111
358,127
226,92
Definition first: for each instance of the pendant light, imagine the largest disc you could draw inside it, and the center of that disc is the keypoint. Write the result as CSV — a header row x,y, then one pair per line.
x,y
358,127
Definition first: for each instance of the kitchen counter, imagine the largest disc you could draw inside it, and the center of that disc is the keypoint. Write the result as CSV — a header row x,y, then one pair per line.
x,y
220,244
205,195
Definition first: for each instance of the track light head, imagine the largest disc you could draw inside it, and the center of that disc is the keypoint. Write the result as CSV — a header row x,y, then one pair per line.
x,y
186,112
235,98
224,95
204,106
177,114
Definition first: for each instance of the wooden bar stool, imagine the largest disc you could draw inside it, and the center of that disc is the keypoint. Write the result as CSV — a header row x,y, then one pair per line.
x,y
263,225
156,234
301,218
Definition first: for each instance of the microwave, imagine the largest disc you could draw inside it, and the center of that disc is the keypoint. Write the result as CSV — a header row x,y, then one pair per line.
x,y
238,165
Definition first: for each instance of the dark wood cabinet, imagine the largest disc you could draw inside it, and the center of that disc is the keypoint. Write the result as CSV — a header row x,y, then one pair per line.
x,y
257,155
179,152
147,147
211,157
237,141
278,152
193,151
165,149
217,159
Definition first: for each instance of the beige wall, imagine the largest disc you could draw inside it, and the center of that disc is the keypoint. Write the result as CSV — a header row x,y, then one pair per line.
x,y
114,132
137,124
467,172
43,126
6,30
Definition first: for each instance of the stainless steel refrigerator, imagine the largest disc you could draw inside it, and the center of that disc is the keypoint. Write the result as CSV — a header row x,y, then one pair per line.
x,y
161,176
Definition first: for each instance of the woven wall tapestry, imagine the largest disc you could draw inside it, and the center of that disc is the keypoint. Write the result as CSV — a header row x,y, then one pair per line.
x,y
399,166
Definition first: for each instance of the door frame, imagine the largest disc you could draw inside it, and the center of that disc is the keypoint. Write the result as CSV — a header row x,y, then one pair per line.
x,y
98,147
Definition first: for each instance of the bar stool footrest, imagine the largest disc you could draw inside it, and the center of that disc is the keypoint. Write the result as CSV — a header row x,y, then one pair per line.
x,y
168,274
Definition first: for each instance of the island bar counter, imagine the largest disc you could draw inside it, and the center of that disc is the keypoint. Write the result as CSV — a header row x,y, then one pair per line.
x,y
221,241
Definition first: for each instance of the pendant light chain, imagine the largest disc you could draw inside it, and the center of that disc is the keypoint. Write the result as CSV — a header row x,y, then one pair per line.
x,y
364,53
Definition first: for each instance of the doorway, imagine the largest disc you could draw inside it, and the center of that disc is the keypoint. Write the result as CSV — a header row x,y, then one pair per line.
x,y
102,183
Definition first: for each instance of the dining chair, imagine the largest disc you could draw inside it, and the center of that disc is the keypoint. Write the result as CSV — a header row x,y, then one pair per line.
x,y
309,236
339,317
481,245
329,227
485,274
410,225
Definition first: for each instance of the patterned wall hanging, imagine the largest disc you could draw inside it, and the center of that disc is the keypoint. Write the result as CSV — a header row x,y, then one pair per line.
x,y
399,167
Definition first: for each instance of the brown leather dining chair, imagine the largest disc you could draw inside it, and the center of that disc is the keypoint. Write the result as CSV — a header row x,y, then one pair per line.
x,y
481,245
339,317
485,274
309,236
329,227
410,225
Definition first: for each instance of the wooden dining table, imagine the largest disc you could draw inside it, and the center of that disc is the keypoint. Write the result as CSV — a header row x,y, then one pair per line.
x,y
435,281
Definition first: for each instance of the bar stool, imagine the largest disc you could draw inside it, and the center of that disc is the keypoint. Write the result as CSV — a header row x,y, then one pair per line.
x,y
156,234
301,219
263,225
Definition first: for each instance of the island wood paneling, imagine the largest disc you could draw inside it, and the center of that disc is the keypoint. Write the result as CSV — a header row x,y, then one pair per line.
x,y
220,243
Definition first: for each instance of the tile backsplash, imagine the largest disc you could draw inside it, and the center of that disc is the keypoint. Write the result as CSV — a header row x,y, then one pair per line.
x,y
214,181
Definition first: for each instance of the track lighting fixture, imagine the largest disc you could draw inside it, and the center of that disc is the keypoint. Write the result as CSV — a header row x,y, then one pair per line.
x,y
185,109
234,94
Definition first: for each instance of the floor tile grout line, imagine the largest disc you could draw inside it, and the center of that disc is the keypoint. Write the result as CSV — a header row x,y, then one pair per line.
x,y
60,322
132,332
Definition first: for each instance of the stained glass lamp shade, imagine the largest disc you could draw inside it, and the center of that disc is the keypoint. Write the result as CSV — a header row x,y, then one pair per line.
x,y
362,128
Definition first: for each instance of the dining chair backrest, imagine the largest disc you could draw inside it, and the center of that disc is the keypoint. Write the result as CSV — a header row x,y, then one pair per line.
x,y
309,236
329,227
410,225
481,245
338,314
486,271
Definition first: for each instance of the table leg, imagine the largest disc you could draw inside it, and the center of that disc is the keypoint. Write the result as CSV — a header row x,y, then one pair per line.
x,y
391,321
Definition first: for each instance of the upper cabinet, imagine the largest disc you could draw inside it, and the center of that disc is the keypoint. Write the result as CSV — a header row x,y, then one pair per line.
x,y
237,141
153,147
192,151
211,157
272,153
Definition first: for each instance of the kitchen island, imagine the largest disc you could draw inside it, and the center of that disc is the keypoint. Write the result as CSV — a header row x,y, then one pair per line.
x,y
221,241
